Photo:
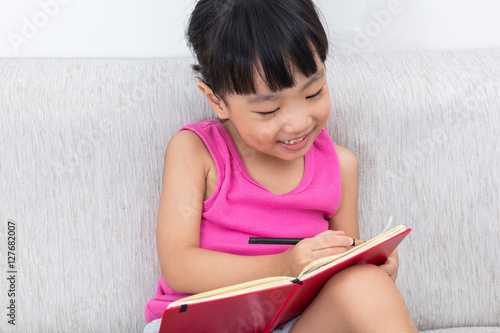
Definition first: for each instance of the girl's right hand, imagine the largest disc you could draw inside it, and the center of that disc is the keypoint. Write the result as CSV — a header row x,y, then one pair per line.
x,y
325,244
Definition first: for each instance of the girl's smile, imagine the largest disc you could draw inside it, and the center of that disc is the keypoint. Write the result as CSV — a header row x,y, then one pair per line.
x,y
295,144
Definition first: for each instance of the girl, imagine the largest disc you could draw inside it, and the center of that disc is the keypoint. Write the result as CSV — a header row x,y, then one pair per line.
x,y
266,167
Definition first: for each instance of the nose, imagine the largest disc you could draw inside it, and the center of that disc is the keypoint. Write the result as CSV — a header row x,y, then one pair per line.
x,y
297,121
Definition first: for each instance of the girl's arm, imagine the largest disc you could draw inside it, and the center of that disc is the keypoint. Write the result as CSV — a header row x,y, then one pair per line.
x,y
346,217
190,269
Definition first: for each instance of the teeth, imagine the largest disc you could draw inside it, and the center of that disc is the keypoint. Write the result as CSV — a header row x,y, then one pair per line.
x,y
292,142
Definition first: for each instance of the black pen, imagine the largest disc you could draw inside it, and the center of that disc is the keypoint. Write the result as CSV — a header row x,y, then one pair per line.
x,y
286,241
274,241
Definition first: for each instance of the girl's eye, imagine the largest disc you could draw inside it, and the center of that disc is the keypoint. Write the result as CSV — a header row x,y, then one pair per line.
x,y
316,94
268,112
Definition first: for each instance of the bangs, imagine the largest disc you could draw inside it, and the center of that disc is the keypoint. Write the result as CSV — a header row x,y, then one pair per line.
x,y
271,38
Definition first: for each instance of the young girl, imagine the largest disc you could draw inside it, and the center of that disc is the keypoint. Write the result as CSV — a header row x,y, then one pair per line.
x,y
266,167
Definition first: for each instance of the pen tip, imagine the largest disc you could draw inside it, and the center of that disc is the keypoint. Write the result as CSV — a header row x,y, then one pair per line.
x,y
356,242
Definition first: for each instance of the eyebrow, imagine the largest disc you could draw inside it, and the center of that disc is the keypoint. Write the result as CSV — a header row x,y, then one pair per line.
x,y
259,98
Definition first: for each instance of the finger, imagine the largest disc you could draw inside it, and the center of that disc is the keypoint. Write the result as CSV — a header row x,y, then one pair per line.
x,y
326,252
332,240
330,232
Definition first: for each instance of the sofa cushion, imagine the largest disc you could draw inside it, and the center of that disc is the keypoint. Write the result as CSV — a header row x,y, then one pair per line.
x,y
466,330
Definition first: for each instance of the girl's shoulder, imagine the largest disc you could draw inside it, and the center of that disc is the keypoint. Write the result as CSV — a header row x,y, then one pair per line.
x,y
188,157
187,147
347,159
186,139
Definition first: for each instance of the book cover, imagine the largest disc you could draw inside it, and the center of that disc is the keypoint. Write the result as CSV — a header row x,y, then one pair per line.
x,y
262,305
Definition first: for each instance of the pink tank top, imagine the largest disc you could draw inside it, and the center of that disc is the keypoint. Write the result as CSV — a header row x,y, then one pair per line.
x,y
240,207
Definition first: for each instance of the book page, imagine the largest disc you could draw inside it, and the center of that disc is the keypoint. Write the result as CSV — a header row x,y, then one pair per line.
x,y
315,265
236,289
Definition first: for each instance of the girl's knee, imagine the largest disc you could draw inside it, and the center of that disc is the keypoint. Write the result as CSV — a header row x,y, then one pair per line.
x,y
355,280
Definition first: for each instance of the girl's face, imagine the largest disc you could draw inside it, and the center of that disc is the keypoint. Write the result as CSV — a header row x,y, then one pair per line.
x,y
281,125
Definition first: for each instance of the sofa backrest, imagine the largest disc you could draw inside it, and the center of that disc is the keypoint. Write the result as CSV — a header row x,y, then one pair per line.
x,y
81,157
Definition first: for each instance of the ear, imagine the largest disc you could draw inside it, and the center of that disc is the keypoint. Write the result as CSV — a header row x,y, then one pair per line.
x,y
217,104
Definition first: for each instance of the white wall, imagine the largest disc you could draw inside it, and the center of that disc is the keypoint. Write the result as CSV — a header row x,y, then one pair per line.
x,y
154,28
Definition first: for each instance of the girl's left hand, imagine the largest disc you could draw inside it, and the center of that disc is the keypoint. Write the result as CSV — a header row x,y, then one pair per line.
x,y
391,265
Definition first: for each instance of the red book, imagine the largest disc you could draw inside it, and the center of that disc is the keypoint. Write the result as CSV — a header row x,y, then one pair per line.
x,y
264,304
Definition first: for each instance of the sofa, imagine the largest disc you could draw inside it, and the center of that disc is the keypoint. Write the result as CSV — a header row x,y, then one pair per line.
x,y
82,148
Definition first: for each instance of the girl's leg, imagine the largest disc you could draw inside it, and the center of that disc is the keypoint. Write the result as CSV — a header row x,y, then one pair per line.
x,y
361,298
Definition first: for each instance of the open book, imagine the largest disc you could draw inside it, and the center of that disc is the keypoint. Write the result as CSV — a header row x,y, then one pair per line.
x,y
264,304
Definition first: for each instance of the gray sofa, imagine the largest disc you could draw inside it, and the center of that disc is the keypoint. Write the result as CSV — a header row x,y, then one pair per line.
x,y
81,157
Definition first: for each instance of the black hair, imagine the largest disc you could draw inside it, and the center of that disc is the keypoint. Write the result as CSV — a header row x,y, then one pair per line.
x,y
232,39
